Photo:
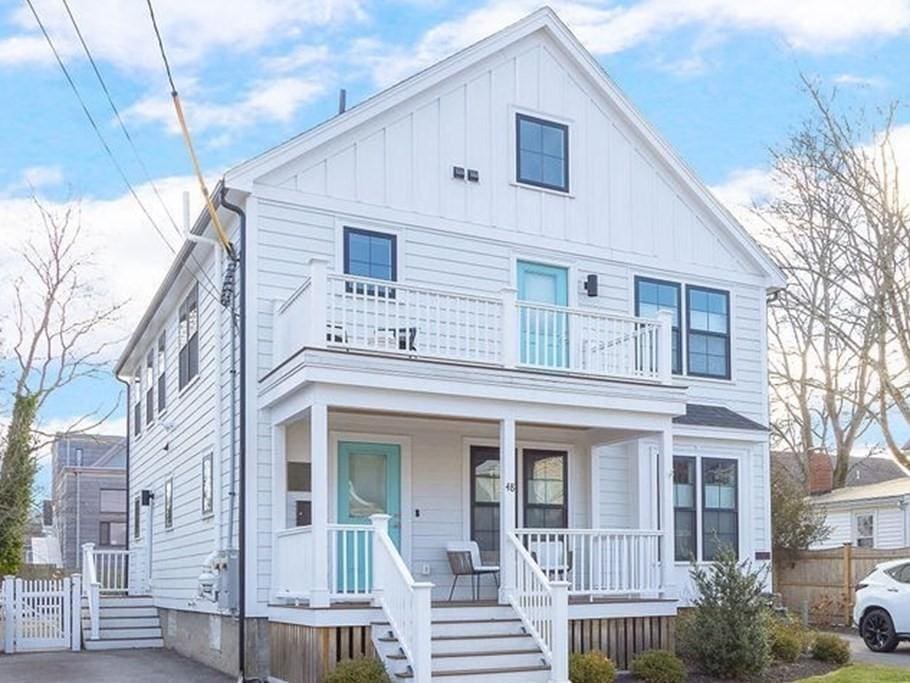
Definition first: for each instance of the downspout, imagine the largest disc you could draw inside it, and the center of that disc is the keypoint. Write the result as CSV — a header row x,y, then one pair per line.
x,y
238,331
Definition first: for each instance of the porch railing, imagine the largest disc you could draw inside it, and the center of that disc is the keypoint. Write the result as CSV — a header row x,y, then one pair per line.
x,y
349,312
292,556
91,590
542,605
405,602
111,569
597,561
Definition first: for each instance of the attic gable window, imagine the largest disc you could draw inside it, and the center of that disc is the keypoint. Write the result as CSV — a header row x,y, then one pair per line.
x,y
542,153
188,333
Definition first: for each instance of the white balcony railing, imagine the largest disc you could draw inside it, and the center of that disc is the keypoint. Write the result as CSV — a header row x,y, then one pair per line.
x,y
348,312
597,561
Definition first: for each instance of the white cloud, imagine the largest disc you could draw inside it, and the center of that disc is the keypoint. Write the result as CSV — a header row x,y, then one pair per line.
x,y
267,101
35,178
299,57
121,33
606,27
860,81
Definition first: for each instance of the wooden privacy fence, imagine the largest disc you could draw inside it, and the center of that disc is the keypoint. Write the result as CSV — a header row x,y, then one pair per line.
x,y
820,583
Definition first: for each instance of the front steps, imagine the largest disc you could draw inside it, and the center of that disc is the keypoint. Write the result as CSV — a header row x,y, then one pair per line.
x,y
126,622
470,644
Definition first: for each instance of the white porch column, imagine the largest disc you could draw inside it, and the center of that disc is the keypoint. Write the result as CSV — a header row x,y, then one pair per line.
x,y
319,469
667,553
279,503
507,490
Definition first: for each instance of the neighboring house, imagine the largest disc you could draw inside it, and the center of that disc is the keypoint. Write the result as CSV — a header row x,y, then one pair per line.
x,y
89,494
869,515
861,470
492,303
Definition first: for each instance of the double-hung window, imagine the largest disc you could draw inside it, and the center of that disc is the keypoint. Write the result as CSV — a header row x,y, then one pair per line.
x,y
371,255
150,387
708,339
545,475
865,530
652,296
542,156
162,374
188,322
137,511
720,518
685,509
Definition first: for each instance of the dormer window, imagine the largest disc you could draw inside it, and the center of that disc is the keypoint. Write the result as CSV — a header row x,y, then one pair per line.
x,y
542,153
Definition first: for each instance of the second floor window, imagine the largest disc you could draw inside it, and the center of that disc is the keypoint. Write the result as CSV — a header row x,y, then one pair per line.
x,y
137,510
169,503
188,325
708,339
162,374
542,153
652,296
137,404
372,255
150,387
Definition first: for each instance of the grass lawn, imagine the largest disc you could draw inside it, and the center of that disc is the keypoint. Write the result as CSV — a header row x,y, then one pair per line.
x,y
863,673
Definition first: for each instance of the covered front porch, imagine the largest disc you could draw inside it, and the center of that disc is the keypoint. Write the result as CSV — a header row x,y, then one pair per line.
x,y
580,503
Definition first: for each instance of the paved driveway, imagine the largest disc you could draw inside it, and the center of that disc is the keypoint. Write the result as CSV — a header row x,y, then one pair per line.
x,y
115,666
900,657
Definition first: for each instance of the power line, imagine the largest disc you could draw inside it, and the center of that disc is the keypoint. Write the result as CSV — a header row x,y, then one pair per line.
x,y
167,66
98,133
129,138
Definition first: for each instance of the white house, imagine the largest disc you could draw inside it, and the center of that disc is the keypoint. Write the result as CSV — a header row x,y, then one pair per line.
x,y
488,304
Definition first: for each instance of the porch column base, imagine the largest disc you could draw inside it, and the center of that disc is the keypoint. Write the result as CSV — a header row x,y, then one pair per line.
x,y
319,598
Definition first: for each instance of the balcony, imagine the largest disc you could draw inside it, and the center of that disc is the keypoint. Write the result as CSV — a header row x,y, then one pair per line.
x,y
398,319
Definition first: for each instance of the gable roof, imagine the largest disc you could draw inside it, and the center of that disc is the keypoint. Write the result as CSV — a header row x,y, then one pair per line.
x,y
243,176
861,471
870,492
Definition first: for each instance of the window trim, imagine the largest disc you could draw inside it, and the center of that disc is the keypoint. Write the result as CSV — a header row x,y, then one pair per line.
x,y
209,510
485,452
192,296
528,456
855,524
562,189
703,507
680,310
168,506
726,337
161,372
348,230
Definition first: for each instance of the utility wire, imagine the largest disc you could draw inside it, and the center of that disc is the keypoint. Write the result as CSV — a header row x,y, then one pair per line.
x,y
100,136
181,119
129,139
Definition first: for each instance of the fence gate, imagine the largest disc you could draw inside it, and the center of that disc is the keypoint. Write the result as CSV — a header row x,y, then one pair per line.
x,y
41,614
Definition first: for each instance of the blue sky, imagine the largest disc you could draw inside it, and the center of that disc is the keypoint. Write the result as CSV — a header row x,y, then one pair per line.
x,y
718,78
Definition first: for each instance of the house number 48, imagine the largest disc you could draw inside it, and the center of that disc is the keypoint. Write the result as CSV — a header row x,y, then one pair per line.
x,y
510,487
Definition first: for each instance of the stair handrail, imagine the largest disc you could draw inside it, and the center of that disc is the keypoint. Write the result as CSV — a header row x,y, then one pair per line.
x,y
542,605
405,602
91,589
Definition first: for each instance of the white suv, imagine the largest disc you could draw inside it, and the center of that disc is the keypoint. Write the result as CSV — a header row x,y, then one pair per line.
x,y
882,610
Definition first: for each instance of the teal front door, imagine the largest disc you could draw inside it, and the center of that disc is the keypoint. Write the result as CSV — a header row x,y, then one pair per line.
x,y
544,328
369,483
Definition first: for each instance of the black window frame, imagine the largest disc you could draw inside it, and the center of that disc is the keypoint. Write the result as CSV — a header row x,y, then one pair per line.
x,y
529,456
137,509
208,485
104,534
693,511
705,531
161,360
519,117
717,335
677,330
393,264
169,503
477,454
188,355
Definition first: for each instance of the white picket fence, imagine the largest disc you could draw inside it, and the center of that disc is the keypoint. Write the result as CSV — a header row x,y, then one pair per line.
x,y
41,614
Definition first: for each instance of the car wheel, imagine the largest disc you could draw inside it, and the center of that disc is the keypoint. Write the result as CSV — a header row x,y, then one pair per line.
x,y
877,631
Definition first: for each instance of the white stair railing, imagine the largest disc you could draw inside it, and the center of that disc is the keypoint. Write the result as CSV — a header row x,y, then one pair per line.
x,y
542,605
111,566
405,602
91,589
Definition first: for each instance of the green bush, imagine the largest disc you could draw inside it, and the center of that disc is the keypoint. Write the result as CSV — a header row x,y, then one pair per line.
x,y
658,666
788,638
591,667
831,648
358,671
726,634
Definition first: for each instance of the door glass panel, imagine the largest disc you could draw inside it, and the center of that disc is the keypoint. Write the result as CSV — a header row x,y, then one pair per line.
x,y
544,332
367,485
540,288
485,501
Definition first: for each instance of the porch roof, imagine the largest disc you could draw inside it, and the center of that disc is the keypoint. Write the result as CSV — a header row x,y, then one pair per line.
x,y
701,415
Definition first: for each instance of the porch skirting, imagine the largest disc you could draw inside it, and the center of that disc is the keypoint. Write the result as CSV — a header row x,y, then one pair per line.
x,y
305,654
622,638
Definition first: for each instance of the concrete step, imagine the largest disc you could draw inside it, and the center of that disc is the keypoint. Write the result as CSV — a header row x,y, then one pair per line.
x,y
123,644
123,622
128,633
126,601
111,612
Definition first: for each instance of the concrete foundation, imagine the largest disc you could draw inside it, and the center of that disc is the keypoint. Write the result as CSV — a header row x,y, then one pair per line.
x,y
212,639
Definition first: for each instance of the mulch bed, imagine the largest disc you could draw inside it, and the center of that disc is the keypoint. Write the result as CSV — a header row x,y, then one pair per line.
x,y
805,667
